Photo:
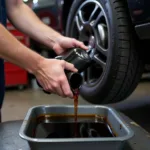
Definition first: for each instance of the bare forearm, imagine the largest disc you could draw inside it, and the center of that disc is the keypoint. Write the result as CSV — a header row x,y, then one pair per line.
x,y
26,21
13,51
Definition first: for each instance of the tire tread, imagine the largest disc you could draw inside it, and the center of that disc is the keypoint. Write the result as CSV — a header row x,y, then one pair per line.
x,y
126,80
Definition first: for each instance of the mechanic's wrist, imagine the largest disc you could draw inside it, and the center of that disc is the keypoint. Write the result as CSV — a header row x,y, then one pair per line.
x,y
35,66
52,39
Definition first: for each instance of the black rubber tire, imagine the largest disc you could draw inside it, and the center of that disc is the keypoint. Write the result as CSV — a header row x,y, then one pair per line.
x,y
124,65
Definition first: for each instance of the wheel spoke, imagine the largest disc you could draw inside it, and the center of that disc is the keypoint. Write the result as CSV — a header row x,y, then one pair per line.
x,y
84,75
81,17
97,19
101,49
93,13
89,75
79,20
99,61
78,24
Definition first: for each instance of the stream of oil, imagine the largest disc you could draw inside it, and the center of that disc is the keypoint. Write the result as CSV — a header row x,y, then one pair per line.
x,y
76,96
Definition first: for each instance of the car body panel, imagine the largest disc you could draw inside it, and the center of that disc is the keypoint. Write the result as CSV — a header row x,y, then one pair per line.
x,y
139,11
140,15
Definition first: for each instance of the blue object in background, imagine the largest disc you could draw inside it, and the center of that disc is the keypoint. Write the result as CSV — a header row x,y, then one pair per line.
x,y
3,20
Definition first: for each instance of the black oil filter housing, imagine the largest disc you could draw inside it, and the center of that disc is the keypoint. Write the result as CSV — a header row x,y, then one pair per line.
x,y
81,60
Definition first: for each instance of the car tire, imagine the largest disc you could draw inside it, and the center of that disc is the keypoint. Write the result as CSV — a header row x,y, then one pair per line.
x,y
124,63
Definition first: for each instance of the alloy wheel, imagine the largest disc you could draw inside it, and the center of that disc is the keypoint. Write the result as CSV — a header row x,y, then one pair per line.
x,y
90,23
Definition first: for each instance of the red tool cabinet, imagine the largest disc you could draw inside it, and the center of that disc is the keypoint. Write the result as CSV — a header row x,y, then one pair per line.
x,y
14,75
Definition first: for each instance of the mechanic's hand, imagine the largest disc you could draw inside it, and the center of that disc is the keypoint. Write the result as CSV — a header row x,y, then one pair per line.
x,y
52,78
62,43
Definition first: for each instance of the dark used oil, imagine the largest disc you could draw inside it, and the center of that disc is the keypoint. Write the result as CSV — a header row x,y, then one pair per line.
x,y
59,127
76,96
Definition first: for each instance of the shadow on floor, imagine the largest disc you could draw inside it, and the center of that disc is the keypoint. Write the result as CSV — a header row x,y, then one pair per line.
x,y
138,110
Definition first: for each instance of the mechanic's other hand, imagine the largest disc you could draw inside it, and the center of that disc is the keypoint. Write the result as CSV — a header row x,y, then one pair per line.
x,y
52,78
62,43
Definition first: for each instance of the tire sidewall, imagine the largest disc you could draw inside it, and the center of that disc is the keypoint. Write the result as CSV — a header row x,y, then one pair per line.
x,y
108,78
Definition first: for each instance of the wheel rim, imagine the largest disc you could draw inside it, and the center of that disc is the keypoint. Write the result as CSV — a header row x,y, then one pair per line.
x,y
90,22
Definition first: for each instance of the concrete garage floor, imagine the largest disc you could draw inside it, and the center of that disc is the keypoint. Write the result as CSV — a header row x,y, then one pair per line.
x,y
17,103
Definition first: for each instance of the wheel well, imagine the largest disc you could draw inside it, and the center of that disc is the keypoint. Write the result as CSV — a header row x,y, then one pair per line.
x,y
66,9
